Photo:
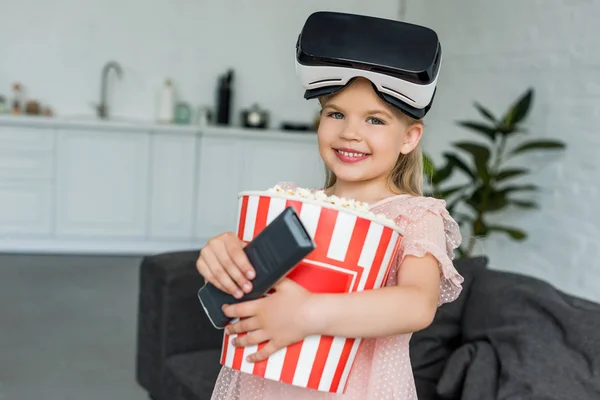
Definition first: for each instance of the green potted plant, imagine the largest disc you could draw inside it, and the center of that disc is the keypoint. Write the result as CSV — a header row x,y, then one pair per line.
x,y
489,187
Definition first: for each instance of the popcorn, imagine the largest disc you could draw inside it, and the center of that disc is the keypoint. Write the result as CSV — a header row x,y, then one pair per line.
x,y
338,202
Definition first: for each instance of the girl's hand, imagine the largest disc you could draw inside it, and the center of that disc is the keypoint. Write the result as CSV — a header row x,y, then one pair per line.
x,y
223,263
280,319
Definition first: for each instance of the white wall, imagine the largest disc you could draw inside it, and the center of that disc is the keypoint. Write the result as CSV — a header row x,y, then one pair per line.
x,y
493,51
57,49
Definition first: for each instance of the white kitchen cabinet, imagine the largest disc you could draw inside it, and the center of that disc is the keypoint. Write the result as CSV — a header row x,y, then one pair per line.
x,y
27,209
218,184
26,173
173,166
102,183
267,162
229,166
17,138
106,187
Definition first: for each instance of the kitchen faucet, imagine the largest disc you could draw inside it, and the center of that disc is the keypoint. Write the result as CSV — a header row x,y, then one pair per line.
x,y
102,108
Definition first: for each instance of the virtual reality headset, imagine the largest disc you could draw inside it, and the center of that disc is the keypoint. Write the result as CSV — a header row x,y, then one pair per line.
x,y
401,60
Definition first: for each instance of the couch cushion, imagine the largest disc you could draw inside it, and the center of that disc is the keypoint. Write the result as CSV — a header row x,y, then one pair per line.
x,y
191,376
170,318
523,338
431,347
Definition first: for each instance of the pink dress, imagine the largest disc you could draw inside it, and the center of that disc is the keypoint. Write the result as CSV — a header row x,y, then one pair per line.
x,y
382,369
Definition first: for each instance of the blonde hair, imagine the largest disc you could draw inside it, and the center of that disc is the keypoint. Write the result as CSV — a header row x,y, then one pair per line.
x,y
407,174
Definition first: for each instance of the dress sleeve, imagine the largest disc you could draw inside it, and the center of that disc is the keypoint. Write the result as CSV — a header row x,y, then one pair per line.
x,y
429,228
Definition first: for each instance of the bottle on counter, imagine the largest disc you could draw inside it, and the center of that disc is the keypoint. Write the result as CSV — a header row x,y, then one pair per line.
x,y
4,107
224,98
166,107
17,103
204,116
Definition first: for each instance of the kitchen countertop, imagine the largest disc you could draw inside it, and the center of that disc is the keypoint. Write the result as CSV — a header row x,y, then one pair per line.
x,y
126,125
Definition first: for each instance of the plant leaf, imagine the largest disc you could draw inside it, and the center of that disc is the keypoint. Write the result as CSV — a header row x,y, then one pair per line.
x,y
477,150
481,156
496,201
473,204
538,145
508,129
486,130
460,164
514,233
479,228
524,204
485,112
428,167
448,192
510,173
517,188
441,174
519,110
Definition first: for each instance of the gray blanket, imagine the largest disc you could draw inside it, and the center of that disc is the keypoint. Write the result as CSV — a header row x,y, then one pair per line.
x,y
523,339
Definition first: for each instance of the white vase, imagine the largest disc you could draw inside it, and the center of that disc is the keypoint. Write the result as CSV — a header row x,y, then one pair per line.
x,y
166,107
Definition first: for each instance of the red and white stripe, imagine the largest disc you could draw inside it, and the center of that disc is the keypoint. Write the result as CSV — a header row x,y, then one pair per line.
x,y
352,254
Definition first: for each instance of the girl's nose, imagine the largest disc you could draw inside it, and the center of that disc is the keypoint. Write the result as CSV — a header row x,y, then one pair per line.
x,y
351,131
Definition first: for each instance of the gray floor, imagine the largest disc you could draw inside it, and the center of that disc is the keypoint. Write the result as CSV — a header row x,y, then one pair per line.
x,y
67,328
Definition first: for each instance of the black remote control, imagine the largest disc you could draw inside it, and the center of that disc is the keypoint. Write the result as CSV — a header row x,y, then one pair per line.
x,y
273,253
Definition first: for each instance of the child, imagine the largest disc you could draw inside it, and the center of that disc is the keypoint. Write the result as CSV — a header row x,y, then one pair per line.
x,y
372,154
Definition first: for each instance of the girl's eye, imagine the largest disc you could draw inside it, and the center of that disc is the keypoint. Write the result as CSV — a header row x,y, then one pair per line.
x,y
375,121
336,115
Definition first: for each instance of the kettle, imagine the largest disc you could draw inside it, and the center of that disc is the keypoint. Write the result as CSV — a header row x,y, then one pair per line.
x,y
255,117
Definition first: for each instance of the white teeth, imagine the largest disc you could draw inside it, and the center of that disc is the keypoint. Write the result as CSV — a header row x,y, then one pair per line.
x,y
348,154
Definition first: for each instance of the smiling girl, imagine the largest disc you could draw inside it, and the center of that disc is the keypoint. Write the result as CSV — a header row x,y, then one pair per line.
x,y
372,154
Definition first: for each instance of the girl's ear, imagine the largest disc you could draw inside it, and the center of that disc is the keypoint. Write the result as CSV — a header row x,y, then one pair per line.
x,y
411,138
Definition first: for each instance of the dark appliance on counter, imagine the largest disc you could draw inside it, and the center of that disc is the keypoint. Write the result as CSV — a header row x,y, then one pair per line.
x,y
224,98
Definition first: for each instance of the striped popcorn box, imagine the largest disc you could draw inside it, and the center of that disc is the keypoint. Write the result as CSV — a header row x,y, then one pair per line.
x,y
353,253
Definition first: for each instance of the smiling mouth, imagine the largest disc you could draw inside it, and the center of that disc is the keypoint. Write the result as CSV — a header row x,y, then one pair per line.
x,y
350,153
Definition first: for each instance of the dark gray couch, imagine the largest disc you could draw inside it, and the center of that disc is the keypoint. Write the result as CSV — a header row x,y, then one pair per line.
x,y
507,337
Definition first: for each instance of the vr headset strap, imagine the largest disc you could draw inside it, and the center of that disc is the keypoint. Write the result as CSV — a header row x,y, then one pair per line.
x,y
412,112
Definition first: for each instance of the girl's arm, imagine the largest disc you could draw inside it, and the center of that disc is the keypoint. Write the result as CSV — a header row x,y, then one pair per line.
x,y
407,307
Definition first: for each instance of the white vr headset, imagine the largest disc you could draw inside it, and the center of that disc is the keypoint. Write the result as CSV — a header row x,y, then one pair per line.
x,y
401,60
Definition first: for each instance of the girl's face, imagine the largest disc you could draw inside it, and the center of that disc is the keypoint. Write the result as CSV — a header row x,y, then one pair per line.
x,y
361,137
